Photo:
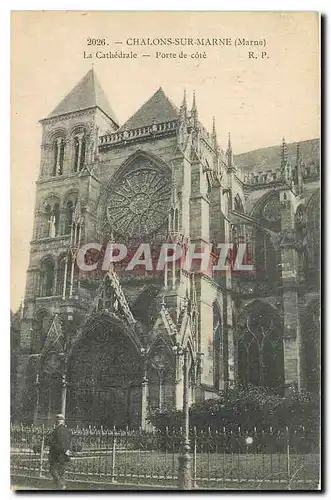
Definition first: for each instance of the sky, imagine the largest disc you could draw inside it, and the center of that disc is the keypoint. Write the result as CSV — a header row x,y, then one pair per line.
x,y
258,100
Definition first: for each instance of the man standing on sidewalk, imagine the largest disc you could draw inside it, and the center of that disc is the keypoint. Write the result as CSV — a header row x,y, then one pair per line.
x,y
59,452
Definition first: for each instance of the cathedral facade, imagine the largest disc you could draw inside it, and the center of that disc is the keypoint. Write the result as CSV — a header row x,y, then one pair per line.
x,y
104,347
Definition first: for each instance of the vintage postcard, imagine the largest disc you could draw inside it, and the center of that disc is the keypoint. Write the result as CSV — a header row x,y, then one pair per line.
x,y
165,301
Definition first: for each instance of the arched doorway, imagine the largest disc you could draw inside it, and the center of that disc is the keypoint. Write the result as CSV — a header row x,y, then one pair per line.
x,y
105,374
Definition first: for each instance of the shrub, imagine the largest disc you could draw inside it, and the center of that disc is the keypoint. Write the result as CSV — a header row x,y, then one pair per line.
x,y
248,407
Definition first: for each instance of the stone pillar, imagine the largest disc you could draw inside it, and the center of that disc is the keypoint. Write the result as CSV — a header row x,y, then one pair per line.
x,y
62,221
69,156
66,156
55,277
228,327
199,205
144,392
289,270
179,383
45,159
72,272
292,338
65,279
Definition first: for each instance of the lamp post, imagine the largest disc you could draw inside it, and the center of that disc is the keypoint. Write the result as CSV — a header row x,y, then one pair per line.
x,y
185,468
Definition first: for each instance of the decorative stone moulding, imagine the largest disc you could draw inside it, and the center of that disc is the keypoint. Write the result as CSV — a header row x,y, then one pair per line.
x,y
125,136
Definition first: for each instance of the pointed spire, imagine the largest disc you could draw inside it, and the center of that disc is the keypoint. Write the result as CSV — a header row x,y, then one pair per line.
x,y
298,156
194,112
229,152
20,309
183,108
173,186
297,174
284,160
194,104
284,153
214,136
297,164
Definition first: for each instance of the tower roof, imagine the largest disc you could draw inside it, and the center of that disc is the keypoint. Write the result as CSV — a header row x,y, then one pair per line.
x,y
86,94
158,108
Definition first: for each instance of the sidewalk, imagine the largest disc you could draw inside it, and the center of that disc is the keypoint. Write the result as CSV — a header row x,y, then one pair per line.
x,y
25,483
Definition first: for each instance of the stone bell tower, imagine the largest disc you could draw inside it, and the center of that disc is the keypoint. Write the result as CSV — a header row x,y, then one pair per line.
x,y
66,191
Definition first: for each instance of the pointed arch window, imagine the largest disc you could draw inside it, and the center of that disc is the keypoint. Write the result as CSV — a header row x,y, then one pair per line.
x,y
53,220
46,218
69,212
76,153
50,219
79,152
260,252
58,148
68,216
47,278
82,154
260,348
265,258
40,330
72,277
61,275
238,233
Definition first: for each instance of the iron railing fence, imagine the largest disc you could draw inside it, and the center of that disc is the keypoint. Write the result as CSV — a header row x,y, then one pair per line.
x,y
236,458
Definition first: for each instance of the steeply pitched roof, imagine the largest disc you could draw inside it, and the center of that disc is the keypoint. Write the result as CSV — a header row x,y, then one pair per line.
x,y
158,108
86,94
269,158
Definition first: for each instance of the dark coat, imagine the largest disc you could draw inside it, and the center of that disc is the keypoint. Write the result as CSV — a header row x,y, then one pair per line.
x,y
59,443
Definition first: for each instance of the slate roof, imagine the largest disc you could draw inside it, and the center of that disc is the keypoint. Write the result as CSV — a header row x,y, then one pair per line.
x,y
158,108
86,94
269,158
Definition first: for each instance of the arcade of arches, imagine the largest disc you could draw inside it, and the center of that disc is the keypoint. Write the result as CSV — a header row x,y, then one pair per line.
x,y
110,380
